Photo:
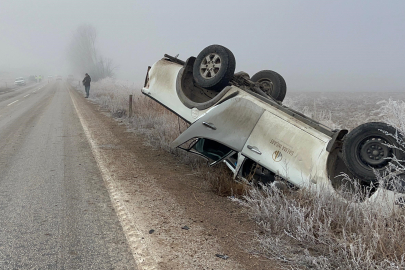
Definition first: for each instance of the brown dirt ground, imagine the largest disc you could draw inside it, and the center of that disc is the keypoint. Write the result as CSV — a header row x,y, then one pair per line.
x,y
217,218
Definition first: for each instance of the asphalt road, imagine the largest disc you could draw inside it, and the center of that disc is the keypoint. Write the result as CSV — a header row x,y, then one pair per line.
x,y
55,211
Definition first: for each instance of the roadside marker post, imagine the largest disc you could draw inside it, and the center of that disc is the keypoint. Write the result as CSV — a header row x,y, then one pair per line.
x,y
130,106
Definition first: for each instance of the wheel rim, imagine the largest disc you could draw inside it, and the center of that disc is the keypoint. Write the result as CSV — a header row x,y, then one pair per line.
x,y
266,85
373,152
210,66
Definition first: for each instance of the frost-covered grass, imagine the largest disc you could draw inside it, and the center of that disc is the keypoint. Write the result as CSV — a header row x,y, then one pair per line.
x,y
158,125
343,110
318,231
300,229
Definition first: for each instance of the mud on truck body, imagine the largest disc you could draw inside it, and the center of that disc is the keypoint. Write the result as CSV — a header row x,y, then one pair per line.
x,y
241,121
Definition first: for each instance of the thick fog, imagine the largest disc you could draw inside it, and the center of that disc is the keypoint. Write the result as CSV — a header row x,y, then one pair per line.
x,y
315,45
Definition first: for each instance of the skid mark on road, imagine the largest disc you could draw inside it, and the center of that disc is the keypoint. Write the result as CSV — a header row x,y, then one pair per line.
x,y
134,236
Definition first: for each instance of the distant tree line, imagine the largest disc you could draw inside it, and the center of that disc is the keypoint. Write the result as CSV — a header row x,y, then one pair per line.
x,y
84,56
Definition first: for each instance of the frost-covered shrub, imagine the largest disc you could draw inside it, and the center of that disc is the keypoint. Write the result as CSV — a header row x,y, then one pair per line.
x,y
319,231
393,113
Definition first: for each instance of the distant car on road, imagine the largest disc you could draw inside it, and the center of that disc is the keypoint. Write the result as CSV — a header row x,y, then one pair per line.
x,y
58,78
19,81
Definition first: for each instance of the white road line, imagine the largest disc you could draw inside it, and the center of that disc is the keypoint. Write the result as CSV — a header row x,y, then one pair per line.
x,y
140,252
26,95
34,91
12,102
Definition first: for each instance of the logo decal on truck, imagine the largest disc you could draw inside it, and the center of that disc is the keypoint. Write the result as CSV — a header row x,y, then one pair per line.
x,y
277,156
282,147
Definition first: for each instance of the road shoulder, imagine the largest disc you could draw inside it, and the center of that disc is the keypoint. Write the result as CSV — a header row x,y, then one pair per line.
x,y
158,198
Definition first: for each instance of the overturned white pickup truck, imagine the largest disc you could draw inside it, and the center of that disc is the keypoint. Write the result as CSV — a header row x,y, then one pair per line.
x,y
241,121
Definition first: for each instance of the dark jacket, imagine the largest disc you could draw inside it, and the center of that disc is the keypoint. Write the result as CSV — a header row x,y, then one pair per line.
x,y
86,80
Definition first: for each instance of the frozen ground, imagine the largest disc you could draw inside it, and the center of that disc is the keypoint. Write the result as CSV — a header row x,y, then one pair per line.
x,y
340,109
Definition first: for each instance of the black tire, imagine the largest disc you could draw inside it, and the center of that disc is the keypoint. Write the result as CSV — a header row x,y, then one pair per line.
x,y
214,67
364,149
272,83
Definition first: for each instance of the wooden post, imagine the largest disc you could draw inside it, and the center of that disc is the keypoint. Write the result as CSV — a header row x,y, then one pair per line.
x,y
130,106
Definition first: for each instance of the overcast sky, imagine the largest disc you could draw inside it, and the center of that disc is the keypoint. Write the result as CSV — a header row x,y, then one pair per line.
x,y
315,45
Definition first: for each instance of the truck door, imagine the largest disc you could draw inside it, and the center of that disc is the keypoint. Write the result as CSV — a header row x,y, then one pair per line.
x,y
285,146
225,126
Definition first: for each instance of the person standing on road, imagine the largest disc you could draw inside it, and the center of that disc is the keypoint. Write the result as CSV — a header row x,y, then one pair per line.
x,y
86,82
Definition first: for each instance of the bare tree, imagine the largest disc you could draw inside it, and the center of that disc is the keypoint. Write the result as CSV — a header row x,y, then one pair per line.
x,y
84,57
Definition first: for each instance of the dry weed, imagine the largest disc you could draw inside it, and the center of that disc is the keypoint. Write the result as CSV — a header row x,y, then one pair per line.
x,y
222,183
